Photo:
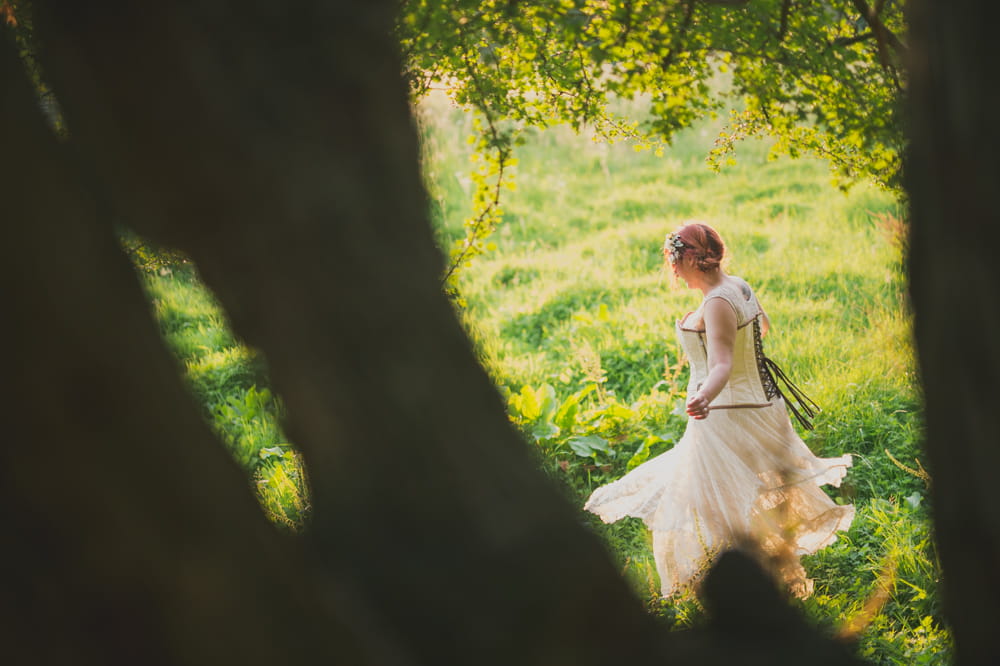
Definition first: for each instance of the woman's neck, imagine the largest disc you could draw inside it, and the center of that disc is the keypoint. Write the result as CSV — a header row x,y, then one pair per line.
x,y
710,280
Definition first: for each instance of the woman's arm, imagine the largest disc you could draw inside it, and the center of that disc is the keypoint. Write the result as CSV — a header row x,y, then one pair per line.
x,y
720,332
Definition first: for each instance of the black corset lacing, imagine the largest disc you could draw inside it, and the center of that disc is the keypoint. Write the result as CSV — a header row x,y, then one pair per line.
x,y
769,372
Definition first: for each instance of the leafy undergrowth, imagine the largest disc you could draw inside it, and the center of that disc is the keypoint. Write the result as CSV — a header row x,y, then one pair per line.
x,y
573,317
229,381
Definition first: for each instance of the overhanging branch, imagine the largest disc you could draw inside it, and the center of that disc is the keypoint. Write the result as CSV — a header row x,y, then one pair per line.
x,y
883,35
786,10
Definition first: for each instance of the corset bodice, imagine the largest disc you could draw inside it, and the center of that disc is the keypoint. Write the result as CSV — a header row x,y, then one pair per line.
x,y
748,381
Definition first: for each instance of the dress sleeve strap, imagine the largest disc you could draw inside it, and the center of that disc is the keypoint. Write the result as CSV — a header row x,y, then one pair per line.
x,y
731,296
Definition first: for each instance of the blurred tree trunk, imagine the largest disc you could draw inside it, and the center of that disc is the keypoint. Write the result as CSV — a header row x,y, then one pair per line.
x,y
130,535
274,144
952,176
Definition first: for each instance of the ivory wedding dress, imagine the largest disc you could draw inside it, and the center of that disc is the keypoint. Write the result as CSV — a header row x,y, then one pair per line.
x,y
740,473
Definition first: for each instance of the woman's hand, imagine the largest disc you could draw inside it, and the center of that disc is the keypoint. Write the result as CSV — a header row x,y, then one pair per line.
x,y
697,406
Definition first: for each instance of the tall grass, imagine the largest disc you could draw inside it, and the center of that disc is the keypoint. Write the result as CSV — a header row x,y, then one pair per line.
x,y
573,317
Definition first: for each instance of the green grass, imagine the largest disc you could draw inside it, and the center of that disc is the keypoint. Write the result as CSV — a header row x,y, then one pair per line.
x,y
229,381
573,317
575,296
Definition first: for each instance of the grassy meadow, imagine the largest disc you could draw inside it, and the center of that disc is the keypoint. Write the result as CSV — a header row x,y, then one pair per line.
x,y
573,315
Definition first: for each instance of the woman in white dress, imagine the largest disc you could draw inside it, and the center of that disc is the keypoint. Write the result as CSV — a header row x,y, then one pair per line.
x,y
740,474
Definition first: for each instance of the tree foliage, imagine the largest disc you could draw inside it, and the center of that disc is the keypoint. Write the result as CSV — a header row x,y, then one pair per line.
x,y
821,77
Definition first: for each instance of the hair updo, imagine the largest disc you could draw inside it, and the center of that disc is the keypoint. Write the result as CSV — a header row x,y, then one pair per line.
x,y
704,244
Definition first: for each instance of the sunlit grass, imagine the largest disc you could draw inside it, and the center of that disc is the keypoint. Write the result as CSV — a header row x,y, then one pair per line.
x,y
576,279
230,383
573,313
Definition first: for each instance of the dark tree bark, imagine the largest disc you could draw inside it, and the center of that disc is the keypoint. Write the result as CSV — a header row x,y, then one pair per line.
x,y
952,176
274,144
129,533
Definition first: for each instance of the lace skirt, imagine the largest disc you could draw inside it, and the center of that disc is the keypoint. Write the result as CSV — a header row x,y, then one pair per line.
x,y
735,476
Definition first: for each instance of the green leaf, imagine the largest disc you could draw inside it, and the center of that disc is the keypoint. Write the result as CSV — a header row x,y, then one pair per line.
x,y
528,404
547,401
589,445
641,454
544,430
614,410
274,451
565,416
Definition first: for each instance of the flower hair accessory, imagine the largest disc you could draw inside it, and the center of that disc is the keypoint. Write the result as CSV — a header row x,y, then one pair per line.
x,y
674,246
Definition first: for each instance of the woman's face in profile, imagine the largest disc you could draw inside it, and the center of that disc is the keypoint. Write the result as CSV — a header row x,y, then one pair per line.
x,y
681,269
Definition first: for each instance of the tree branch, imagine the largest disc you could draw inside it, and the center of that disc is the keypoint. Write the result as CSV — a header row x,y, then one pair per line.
x,y
883,35
786,10
627,24
847,41
503,155
681,33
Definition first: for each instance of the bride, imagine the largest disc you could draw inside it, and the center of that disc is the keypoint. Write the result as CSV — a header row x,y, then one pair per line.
x,y
740,473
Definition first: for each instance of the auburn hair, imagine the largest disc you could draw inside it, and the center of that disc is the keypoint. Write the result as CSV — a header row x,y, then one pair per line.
x,y
704,244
